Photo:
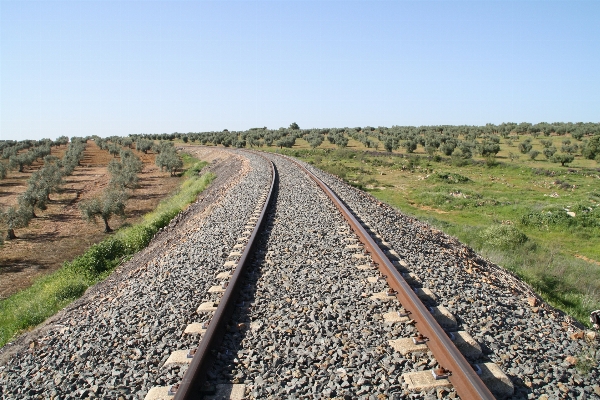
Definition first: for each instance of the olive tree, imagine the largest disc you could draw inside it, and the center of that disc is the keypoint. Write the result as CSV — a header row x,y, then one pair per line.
x,y
112,202
14,218
489,148
114,149
533,154
591,150
525,146
61,140
143,145
388,144
169,160
314,139
410,145
549,152
341,141
563,159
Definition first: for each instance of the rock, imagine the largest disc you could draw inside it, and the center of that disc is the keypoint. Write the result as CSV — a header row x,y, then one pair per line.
x,y
532,301
562,387
571,360
591,335
577,335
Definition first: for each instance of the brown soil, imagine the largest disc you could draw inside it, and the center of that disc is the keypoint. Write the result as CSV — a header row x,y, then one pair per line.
x,y
60,234
587,259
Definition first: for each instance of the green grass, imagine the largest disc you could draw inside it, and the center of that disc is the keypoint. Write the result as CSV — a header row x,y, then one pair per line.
x,y
50,294
514,213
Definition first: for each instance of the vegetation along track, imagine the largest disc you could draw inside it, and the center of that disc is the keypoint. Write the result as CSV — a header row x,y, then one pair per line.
x,y
313,317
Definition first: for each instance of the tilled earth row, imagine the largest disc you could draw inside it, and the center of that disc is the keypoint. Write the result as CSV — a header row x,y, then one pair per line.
x,y
113,342
535,344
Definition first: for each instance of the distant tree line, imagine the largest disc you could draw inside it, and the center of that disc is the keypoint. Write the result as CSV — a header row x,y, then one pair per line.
x,y
459,142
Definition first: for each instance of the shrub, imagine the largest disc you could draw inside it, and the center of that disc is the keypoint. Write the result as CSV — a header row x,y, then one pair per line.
x,y
558,217
449,177
503,237
70,289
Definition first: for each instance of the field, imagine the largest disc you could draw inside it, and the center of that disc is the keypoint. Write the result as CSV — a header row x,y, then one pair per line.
x,y
59,233
536,218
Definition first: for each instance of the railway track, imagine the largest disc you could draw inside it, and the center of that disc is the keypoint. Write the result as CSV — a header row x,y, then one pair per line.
x,y
451,370
272,288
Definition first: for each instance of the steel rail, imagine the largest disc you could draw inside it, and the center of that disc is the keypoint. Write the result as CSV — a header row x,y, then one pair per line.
x,y
195,377
465,380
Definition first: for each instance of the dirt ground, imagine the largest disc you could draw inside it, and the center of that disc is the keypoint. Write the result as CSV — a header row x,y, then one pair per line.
x,y
59,233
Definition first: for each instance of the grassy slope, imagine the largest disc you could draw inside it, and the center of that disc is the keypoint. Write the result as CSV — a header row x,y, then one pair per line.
x,y
550,260
53,292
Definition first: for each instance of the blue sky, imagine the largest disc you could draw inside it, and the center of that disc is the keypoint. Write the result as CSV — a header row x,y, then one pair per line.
x,y
121,67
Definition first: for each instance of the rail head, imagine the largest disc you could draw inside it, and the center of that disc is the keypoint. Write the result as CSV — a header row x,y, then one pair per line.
x,y
195,377
463,377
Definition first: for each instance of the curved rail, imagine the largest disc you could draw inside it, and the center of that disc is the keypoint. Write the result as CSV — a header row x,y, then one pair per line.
x,y
195,376
465,380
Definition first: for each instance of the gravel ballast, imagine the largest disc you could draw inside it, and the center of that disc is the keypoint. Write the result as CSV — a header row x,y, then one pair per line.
x,y
113,341
310,326
532,344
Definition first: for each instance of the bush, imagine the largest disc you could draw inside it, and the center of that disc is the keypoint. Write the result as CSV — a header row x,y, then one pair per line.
x,y
70,289
585,217
449,177
503,237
